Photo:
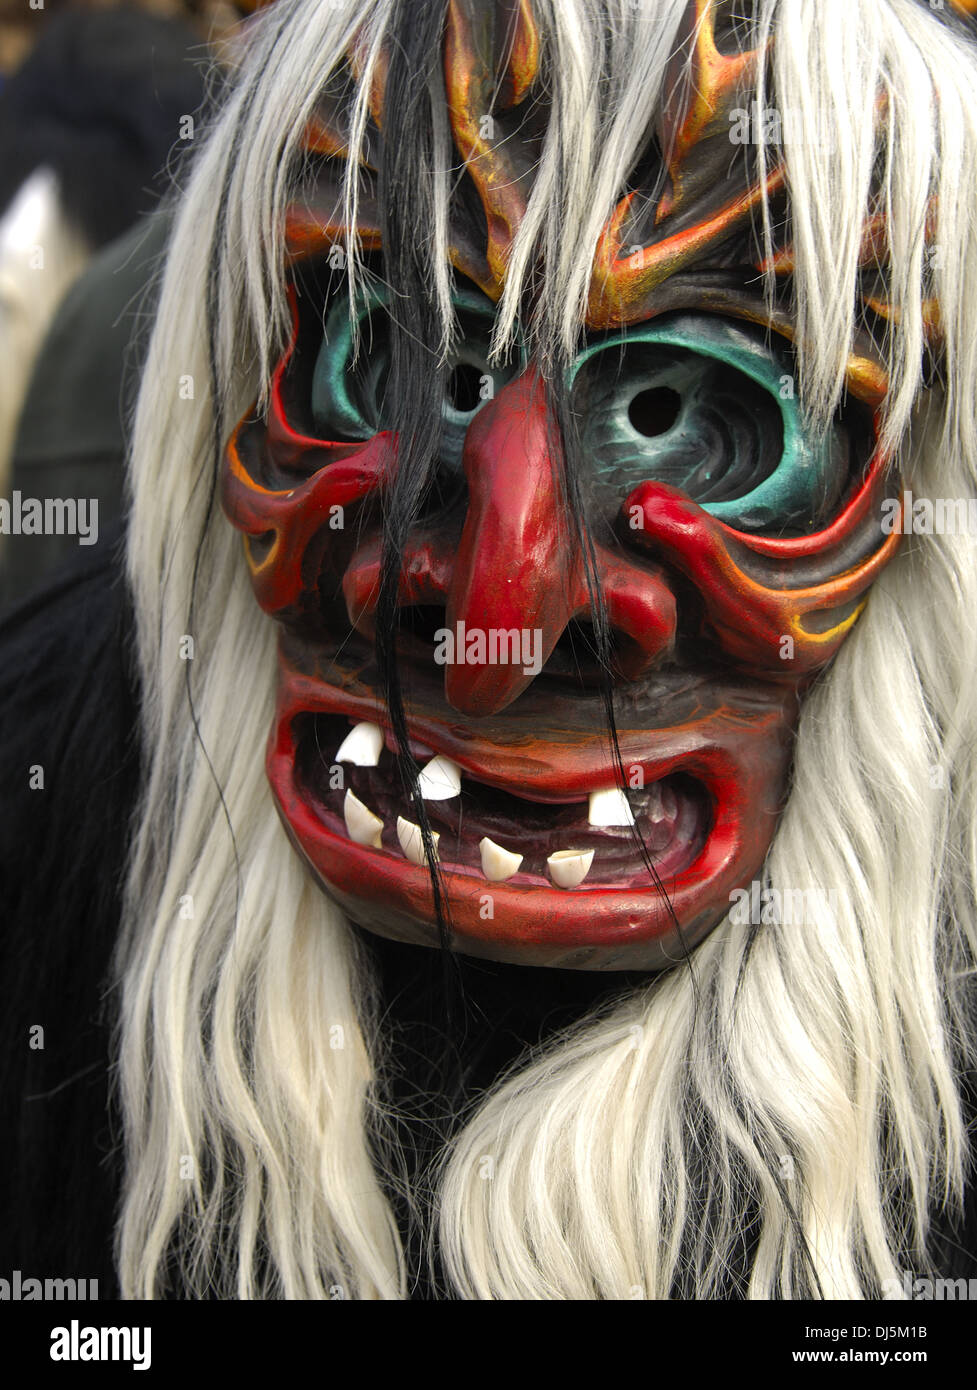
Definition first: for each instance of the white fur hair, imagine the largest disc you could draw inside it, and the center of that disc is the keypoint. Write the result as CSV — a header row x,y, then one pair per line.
x,y
797,1082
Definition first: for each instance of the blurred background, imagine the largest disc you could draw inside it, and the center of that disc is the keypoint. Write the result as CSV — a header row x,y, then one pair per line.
x,y
99,104
20,24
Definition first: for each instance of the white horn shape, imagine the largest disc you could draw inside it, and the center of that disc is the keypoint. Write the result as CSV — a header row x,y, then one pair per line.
x,y
362,825
498,864
440,779
569,867
609,807
412,842
361,745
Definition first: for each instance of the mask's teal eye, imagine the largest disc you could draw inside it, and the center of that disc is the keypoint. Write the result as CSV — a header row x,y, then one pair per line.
x,y
350,391
708,408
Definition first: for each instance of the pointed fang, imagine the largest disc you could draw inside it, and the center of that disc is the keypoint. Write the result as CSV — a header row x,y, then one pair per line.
x,y
361,746
440,779
609,807
498,864
569,867
362,825
412,842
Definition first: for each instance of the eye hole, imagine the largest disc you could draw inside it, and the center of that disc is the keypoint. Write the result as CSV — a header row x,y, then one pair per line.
x,y
464,386
349,391
655,410
707,407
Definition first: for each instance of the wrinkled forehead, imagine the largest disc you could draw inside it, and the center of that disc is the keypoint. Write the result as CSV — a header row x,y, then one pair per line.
x,y
686,232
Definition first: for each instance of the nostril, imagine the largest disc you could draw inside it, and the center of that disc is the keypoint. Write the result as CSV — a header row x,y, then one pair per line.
x,y
577,655
654,411
420,621
421,629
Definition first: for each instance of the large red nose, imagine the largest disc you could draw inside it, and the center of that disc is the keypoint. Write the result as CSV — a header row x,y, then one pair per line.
x,y
515,569
518,567
516,577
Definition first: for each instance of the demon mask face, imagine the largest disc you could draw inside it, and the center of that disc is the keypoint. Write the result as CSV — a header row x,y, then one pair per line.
x,y
734,548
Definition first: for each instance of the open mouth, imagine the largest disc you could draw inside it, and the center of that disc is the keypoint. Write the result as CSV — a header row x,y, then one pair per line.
x,y
540,861
496,833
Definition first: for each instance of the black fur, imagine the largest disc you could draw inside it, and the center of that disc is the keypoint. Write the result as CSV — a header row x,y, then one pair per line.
x,y
69,706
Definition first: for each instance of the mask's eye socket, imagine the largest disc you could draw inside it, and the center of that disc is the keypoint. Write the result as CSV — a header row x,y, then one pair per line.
x,y
708,408
350,389
471,380
349,383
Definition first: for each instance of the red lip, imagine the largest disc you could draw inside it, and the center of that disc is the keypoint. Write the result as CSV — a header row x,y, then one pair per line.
x,y
620,928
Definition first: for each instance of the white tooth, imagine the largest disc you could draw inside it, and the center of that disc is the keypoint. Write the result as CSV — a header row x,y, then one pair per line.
x,y
569,867
361,746
656,811
362,825
498,864
609,807
412,842
440,779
